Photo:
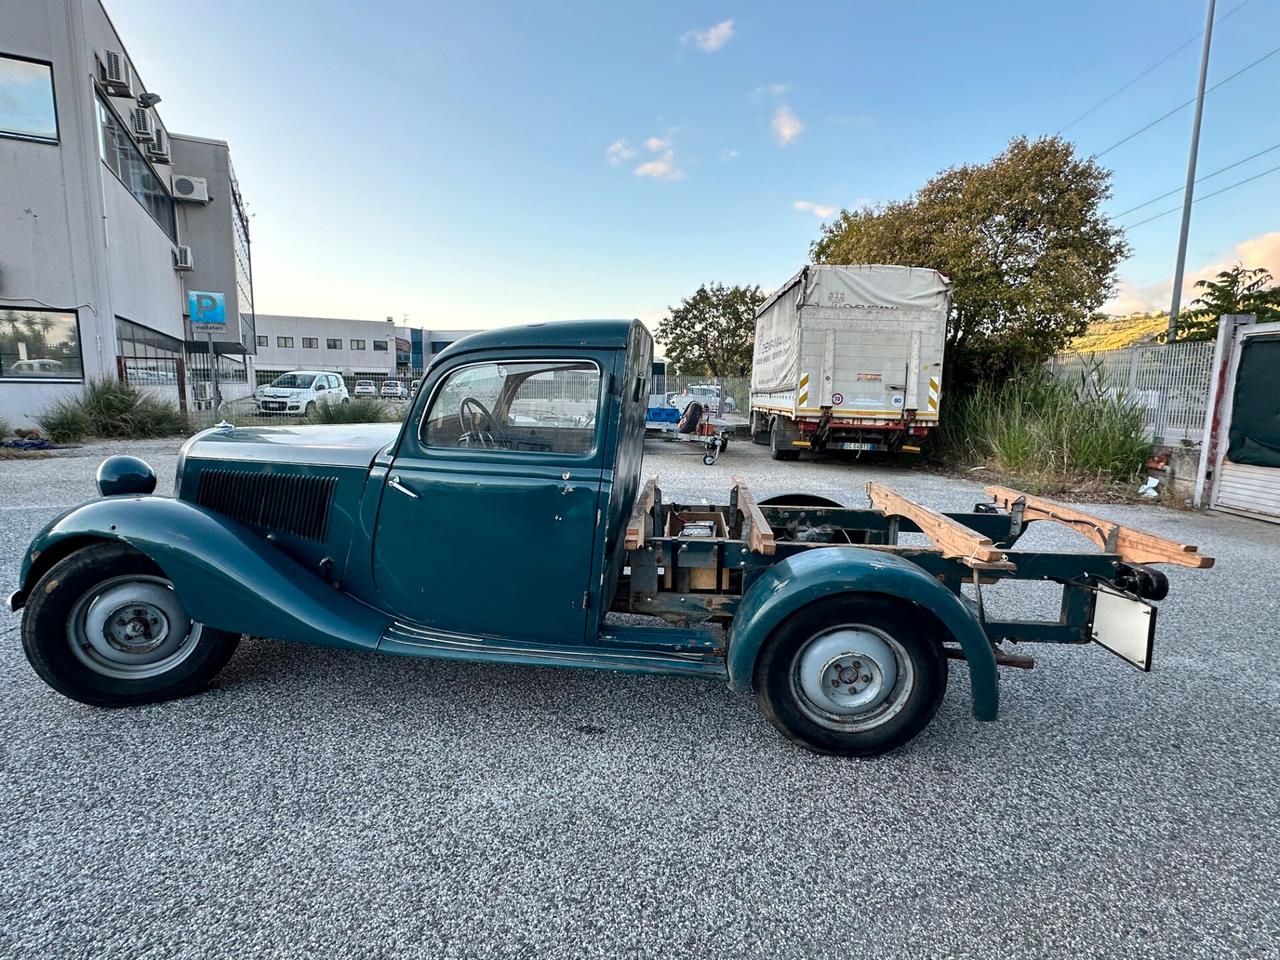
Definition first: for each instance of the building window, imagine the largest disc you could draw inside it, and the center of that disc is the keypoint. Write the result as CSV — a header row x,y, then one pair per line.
x,y
310,343
284,341
357,344
380,345
39,345
438,345
150,358
26,100
333,343
121,154
262,341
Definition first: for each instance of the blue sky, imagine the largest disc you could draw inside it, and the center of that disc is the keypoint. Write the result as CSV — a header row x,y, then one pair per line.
x,y
453,162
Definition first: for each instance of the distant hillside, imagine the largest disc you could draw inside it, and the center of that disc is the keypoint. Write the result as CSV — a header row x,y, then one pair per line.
x,y
1112,333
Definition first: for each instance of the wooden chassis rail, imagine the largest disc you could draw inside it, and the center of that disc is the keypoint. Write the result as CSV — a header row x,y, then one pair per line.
x,y
954,539
1130,545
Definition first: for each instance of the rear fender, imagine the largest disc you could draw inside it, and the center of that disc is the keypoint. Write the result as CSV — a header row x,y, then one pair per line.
x,y
227,576
817,574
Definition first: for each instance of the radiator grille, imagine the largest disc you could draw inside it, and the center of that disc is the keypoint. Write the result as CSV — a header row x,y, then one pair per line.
x,y
284,503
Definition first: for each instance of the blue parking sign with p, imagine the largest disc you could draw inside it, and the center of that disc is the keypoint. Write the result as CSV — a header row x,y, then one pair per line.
x,y
207,308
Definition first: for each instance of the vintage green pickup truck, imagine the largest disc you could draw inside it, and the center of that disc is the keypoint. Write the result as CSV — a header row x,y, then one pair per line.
x,y
506,521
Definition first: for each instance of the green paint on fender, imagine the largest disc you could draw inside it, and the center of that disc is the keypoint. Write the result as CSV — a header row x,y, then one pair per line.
x,y
226,576
806,578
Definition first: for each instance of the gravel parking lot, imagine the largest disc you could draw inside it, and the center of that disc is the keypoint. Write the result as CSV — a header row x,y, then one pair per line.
x,y
319,803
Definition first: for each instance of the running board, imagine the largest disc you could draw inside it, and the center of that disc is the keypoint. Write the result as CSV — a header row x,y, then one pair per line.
x,y
416,641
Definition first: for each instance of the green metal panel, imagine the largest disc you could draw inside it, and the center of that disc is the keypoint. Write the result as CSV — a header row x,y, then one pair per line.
x,y
494,542
227,576
797,581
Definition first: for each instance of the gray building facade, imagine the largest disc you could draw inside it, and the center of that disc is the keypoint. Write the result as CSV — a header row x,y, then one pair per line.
x,y
100,249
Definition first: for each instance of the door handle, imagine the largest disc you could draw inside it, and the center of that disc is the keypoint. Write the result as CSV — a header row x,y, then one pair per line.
x,y
395,484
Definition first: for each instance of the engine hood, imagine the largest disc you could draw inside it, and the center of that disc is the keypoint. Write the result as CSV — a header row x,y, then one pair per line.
x,y
336,445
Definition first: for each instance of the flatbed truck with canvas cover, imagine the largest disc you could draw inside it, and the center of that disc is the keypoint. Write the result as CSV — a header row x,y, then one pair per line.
x,y
505,521
849,357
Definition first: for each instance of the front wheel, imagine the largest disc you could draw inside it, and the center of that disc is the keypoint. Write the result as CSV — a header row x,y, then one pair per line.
x,y
105,627
854,676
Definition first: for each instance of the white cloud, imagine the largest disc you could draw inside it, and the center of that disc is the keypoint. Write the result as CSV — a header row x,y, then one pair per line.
x,y
663,168
821,210
618,152
654,144
786,125
729,155
771,90
1260,251
711,39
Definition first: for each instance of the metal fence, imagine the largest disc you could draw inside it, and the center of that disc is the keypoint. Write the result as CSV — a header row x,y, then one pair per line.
x,y
1169,381
727,396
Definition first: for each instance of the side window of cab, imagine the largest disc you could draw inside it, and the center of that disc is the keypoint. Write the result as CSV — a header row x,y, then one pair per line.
x,y
530,406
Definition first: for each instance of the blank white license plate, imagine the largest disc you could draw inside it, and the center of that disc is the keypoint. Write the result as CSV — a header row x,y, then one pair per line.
x,y
1125,626
854,445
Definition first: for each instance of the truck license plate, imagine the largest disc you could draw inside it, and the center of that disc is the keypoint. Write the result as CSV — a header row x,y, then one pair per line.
x,y
1125,626
854,445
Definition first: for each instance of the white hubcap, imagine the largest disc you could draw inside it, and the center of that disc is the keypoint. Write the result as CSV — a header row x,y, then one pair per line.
x,y
851,677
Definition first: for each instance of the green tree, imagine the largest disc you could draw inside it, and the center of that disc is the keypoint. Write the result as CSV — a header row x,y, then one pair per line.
x,y
1238,290
712,332
1023,239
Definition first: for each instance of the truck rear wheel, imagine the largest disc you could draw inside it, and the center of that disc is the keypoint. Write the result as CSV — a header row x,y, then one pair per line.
x,y
853,676
778,448
105,627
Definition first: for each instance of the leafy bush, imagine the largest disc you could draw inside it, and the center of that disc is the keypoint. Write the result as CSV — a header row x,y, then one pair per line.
x,y
114,410
357,410
65,421
1040,429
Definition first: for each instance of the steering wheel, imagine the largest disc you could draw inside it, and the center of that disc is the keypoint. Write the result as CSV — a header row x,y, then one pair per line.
x,y
481,426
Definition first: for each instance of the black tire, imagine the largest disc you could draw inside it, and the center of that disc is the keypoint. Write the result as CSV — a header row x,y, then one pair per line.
x,y
910,703
310,409
47,633
776,450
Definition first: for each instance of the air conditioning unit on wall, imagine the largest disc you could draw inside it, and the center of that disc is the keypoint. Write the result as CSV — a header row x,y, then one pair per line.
x,y
142,128
182,257
113,73
191,189
159,148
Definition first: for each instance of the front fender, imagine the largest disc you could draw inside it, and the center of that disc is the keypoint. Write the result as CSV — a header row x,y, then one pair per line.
x,y
226,576
816,574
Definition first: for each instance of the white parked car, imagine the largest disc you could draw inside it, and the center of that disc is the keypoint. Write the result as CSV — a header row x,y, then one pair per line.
x,y
708,394
299,391
394,390
365,388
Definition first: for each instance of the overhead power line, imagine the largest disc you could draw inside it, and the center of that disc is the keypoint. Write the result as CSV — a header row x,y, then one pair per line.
x,y
1232,186
1186,103
1159,63
1207,176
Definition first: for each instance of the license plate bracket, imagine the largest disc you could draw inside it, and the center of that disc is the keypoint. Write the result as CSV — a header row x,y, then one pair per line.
x,y
1125,625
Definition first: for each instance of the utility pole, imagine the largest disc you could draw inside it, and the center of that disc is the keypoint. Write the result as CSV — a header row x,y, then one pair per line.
x,y
1191,179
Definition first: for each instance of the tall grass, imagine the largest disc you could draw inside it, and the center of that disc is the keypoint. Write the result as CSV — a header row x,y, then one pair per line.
x,y
5,429
356,410
1041,429
112,409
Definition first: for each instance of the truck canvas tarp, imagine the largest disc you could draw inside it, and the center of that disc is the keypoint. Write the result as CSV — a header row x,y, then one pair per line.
x,y
850,357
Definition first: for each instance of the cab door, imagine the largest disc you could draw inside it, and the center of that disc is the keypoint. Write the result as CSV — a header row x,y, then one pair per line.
x,y
487,521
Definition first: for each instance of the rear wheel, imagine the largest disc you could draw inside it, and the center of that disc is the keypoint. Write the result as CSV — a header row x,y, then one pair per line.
x,y
105,627
778,449
854,676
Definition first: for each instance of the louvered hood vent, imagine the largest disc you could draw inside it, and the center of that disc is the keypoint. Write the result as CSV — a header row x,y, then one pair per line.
x,y
273,502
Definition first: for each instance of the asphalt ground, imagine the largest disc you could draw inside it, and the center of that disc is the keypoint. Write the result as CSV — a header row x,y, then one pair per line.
x,y
315,803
